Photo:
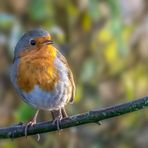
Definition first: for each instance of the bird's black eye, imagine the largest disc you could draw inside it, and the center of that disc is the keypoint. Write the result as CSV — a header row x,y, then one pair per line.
x,y
33,42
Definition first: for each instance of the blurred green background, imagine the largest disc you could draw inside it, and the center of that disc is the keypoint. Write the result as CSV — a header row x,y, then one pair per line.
x,y
106,45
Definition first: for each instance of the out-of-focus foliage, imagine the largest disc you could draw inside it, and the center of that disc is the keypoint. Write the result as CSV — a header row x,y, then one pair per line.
x,y
106,45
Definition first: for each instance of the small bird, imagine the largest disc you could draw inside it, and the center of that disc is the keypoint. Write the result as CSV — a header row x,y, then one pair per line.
x,y
42,76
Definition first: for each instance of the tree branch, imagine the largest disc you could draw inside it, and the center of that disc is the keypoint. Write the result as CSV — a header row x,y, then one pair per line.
x,y
16,131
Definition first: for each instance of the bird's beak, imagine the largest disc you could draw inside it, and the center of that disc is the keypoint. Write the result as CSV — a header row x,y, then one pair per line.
x,y
47,42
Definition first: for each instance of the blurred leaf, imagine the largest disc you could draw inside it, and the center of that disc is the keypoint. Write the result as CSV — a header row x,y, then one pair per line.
x,y
6,20
124,145
39,10
86,22
114,7
129,85
24,112
88,70
104,35
130,120
111,52
117,31
57,34
93,10
8,144
127,33
14,37
73,13
79,93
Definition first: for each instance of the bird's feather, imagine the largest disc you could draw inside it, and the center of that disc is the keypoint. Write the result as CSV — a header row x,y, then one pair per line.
x,y
70,76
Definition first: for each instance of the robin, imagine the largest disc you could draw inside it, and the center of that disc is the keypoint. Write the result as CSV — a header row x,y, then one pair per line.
x,y
42,76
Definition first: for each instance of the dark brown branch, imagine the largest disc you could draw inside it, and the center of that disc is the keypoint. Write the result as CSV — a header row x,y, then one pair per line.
x,y
16,131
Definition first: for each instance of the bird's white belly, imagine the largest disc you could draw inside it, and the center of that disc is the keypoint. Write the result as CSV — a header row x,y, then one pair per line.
x,y
47,100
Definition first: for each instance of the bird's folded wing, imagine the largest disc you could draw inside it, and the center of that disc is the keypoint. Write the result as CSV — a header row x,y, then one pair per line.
x,y
70,76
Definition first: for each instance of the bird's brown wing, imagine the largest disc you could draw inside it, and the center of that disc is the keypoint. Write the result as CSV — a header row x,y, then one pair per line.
x,y
70,76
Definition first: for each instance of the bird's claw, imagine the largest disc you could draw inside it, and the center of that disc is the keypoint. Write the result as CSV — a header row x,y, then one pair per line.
x,y
31,123
57,122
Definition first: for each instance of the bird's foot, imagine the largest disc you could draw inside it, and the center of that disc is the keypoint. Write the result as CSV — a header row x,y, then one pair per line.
x,y
57,122
31,123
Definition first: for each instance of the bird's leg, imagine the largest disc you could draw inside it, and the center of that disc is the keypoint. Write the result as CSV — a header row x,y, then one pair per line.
x,y
63,111
31,123
57,116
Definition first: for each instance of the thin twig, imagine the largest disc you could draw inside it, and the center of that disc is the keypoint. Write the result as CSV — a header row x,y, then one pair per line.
x,y
16,131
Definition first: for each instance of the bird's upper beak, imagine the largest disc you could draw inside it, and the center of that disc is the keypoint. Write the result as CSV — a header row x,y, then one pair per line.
x,y
47,42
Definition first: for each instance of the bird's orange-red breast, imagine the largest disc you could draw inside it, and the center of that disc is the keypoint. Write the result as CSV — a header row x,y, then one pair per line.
x,y
37,68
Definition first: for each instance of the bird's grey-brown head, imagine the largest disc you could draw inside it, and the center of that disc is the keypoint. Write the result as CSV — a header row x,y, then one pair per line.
x,y
29,39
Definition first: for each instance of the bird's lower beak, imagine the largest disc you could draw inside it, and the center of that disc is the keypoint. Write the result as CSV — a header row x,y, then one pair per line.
x,y
47,42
